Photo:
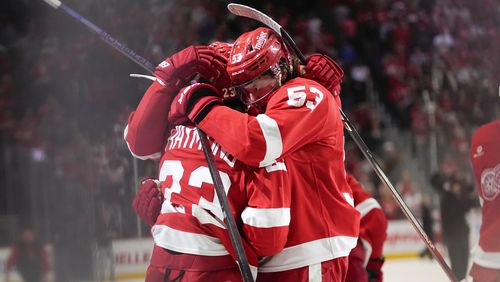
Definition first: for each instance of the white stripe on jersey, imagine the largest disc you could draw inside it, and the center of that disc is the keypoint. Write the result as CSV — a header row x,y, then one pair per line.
x,y
153,156
186,242
315,273
272,135
254,271
277,166
309,253
265,218
368,251
366,206
486,259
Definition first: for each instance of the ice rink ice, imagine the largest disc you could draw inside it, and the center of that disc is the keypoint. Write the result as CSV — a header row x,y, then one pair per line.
x,y
413,270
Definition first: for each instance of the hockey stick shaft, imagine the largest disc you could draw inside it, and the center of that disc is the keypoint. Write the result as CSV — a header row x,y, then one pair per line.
x,y
242,10
144,63
106,37
226,209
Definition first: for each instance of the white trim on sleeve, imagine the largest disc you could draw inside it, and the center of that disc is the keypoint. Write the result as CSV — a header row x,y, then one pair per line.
x,y
366,206
368,251
265,218
153,156
272,136
486,259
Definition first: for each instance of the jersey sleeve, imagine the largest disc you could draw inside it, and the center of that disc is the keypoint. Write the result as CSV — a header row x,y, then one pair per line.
x,y
295,116
373,222
147,127
267,215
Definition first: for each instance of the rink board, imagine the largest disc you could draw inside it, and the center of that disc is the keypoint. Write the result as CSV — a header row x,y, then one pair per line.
x,y
132,255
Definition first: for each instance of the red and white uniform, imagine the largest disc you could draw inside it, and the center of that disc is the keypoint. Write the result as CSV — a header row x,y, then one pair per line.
x,y
147,128
485,156
302,123
187,223
372,234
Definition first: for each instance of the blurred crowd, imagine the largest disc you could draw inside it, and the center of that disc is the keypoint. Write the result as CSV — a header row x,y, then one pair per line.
x,y
425,70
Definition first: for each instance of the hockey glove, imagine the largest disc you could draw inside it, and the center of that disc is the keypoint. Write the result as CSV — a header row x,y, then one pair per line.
x,y
325,71
183,66
147,201
193,103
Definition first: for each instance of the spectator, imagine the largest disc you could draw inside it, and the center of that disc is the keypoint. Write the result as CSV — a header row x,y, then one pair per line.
x,y
456,199
427,223
29,258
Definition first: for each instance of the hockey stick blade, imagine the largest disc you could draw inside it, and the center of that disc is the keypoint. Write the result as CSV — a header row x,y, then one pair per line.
x,y
54,3
249,12
252,13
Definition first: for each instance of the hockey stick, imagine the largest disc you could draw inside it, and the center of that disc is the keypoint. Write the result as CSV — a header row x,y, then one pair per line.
x,y
249,12
56,4
241,258
232,229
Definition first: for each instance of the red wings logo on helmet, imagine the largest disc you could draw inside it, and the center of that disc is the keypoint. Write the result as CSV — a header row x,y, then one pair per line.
x,y
261,40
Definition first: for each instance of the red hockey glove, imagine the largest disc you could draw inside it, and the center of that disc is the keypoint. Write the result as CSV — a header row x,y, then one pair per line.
x,y
147,201
183,66
325,71
193,103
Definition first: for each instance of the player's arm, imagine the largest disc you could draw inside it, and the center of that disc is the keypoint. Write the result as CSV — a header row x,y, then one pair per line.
x,y
267,216
147,126
373,227
295,116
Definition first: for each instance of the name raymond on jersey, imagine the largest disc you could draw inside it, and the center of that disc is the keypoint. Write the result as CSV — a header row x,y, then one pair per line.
x,y
183,137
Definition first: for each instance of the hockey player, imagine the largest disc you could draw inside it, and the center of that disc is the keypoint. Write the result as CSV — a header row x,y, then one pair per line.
x,y
366,260
148,200
485,157
299,119
191,243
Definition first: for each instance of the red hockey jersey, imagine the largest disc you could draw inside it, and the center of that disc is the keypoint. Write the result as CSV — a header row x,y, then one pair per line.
x,y
190,218
147,128
373,225
302,123
485,156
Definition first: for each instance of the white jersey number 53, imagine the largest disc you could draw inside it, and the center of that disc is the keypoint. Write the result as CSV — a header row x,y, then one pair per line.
x,y
297,96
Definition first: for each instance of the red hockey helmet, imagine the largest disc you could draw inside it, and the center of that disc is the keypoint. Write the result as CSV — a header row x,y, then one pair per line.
x,y
255,64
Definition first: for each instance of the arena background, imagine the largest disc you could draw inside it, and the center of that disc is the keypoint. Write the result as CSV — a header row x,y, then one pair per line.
x,y
420,76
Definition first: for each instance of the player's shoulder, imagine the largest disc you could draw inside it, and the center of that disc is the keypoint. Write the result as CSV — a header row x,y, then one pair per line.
x,y
299,92
300,81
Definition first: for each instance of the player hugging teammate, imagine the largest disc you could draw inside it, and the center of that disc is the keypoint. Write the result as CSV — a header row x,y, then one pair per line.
x,y
280,154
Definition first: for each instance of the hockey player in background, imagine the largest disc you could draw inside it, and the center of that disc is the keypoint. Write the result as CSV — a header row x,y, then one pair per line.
x,y
298,119
366,260
485,157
